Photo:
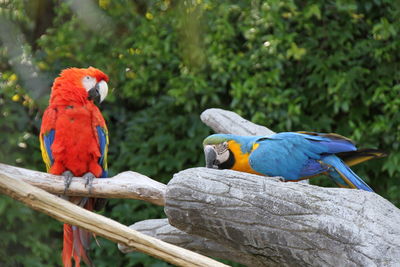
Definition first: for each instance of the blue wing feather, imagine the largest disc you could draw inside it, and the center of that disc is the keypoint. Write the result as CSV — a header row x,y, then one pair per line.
x,y
332,142
102,133
311,168
286,155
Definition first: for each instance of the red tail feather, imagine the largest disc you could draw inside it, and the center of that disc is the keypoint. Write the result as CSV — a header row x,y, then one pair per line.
x,y
67,246
76,242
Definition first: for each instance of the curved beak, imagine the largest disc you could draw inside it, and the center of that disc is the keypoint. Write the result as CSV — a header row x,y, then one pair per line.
x,y
94,94
210,156
99,92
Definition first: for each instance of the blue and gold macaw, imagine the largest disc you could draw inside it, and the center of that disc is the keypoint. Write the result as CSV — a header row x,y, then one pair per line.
x,y
292,155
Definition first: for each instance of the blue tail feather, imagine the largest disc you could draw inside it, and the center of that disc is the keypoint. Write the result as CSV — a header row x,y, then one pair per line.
x,y
343,175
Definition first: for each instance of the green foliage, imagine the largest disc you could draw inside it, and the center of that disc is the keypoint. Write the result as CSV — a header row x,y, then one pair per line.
x,y
327,66
26,232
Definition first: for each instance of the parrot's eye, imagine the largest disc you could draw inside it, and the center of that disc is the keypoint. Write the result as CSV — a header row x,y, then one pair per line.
x,y
225,145
221,148
88,82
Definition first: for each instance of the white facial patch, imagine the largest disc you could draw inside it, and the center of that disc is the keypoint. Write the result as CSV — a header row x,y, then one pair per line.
x,y
221,148
103,90
222,152
221,158
88,82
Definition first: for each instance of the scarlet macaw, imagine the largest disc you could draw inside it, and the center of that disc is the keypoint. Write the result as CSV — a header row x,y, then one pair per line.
x,y
74,143
293,156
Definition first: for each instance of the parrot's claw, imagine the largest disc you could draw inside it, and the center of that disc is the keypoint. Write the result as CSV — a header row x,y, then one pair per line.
x,y
282,179
67,180
89,180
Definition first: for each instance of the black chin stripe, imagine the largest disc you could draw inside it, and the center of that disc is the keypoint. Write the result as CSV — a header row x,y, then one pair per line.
x,y
229,163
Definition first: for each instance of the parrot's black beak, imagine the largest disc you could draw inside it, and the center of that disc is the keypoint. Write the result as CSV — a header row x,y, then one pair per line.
x,y
210,156
94,94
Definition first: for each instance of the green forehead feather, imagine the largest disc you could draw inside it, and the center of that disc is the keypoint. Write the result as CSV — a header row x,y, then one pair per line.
x,y
215,139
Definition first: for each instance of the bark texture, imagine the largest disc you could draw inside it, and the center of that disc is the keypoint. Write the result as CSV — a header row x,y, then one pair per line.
x,y
284,224
124,185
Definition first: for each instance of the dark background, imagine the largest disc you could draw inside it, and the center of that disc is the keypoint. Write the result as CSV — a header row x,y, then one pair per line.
x,y
326,66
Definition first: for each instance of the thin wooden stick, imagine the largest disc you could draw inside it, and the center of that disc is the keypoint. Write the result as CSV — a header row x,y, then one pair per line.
x,y
67,212
124,185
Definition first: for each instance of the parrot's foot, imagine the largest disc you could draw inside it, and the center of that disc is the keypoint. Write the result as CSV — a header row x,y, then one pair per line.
x,y
67,180
89,180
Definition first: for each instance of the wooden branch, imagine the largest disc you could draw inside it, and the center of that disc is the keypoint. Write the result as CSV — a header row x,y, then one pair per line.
x,y
124,185
224,121
161,229
285,224
67,212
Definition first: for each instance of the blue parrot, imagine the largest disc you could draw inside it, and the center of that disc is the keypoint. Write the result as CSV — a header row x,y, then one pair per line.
x,y
292,155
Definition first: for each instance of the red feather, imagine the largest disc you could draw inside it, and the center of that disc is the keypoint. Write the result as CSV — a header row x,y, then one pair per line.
x,y
67,246
76,144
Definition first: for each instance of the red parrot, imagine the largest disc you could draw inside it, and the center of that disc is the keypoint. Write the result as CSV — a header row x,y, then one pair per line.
x,y
74,143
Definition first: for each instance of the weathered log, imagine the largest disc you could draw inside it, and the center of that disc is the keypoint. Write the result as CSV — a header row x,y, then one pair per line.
x,y
124,185
161,229
67,212
228,122
285,224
